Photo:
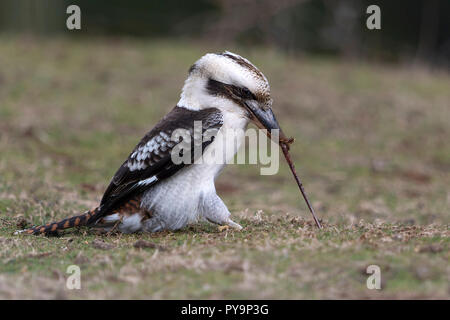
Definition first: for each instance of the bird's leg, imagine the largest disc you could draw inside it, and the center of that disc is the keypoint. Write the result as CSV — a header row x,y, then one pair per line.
x,y
215,211
233,224
227,225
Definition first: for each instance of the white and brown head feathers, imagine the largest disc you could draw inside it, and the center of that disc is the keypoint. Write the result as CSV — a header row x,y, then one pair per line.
x,y
217,79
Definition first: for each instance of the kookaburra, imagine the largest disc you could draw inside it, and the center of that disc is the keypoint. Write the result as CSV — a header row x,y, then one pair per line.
x,y
149,192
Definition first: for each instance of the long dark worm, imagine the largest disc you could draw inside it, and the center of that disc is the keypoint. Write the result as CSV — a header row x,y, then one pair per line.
x,y
285,147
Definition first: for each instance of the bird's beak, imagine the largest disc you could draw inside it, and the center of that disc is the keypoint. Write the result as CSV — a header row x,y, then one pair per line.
x,y
264,118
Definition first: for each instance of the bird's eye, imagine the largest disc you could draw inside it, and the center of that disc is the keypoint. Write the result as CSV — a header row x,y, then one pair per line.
x,y
246,93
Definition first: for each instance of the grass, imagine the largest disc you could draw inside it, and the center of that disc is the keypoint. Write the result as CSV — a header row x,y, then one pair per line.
x,y
372,149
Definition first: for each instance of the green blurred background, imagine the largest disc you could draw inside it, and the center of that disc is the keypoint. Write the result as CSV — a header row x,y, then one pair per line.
x,y
412,30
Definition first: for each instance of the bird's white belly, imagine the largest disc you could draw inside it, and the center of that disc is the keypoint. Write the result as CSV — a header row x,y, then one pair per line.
x,y
174,202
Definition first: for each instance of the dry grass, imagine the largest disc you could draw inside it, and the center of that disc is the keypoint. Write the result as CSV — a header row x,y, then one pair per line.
x,y
372,149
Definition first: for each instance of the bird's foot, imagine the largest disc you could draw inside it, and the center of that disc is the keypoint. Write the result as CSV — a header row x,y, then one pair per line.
x,y
223,228
226,225
234,225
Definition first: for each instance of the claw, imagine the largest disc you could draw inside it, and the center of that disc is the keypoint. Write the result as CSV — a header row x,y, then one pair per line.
x,y
223,228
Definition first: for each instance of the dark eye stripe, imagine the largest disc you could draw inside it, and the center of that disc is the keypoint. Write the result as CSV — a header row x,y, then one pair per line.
x,y
216,87
247,94
228,90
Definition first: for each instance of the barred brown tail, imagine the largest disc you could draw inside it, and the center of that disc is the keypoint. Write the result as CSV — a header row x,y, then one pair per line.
x,y
76,221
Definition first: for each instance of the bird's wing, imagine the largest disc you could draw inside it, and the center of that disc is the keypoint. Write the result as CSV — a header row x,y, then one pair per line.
x,y
151,161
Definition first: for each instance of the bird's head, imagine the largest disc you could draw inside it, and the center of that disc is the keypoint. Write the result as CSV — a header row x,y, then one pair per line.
x,y
230,83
